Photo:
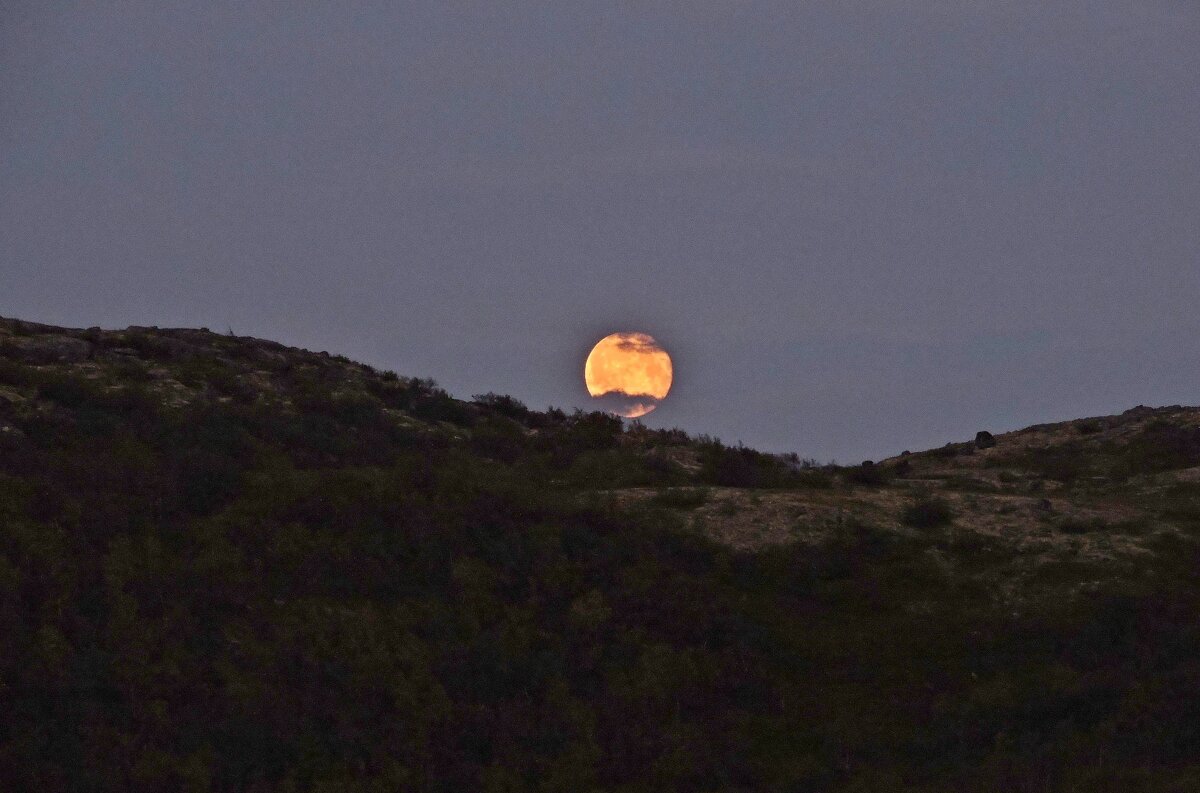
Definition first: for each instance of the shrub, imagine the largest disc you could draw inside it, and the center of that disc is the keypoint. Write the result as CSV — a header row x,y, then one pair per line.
x,y
499,438
437,405
503,405
927,512
868,475
738,466
816,478
603,468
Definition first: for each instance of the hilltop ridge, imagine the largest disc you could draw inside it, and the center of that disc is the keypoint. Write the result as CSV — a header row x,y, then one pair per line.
x,y
229,565
1098,469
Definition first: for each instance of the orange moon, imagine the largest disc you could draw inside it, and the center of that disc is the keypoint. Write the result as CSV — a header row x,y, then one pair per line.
x,y
630,373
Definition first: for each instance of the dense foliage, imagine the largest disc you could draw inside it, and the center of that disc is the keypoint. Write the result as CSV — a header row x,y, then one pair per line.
x,y
242,594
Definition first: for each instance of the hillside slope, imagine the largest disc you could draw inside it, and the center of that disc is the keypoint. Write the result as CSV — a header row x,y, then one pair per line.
x,y
230,565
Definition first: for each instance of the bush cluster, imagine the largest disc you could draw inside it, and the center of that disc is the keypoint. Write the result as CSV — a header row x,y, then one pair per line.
x,y
927,512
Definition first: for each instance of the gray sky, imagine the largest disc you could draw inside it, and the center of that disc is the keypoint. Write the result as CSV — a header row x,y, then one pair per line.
x,y
857,227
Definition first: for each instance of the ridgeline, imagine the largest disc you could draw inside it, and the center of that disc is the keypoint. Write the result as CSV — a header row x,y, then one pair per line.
x,y
229,565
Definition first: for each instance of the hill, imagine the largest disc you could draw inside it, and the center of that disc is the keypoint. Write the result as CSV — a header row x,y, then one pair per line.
x,y
226,564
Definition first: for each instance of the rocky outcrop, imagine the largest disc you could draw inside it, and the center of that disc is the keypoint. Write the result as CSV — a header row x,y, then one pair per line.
x,y
984,440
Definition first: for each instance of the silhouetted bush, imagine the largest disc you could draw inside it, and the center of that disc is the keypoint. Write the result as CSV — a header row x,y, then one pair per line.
x,y
503,405
739,466
610,468
927,512
500,438
868,475
579,433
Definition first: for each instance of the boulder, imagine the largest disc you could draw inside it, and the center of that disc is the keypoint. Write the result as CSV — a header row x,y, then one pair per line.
x,y
984,440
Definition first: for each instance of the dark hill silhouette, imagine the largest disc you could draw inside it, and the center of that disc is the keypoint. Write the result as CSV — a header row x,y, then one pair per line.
x,y
226,564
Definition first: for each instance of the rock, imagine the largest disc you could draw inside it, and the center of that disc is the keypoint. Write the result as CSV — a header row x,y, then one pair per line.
x,y
984,440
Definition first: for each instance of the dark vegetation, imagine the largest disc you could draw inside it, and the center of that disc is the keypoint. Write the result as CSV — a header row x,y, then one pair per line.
x,y
739,466
868,475
927,512
381,588
1158,446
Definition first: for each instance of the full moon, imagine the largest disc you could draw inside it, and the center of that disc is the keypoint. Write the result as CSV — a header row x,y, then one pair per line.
x,y
629,373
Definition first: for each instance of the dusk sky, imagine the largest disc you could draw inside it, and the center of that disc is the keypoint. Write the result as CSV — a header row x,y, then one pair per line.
x,y
858,228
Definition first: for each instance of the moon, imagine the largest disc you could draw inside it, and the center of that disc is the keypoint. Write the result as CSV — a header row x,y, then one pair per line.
x,y
629,373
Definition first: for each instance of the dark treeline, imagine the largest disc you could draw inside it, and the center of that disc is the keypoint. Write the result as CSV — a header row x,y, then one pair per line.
x,y
240,595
